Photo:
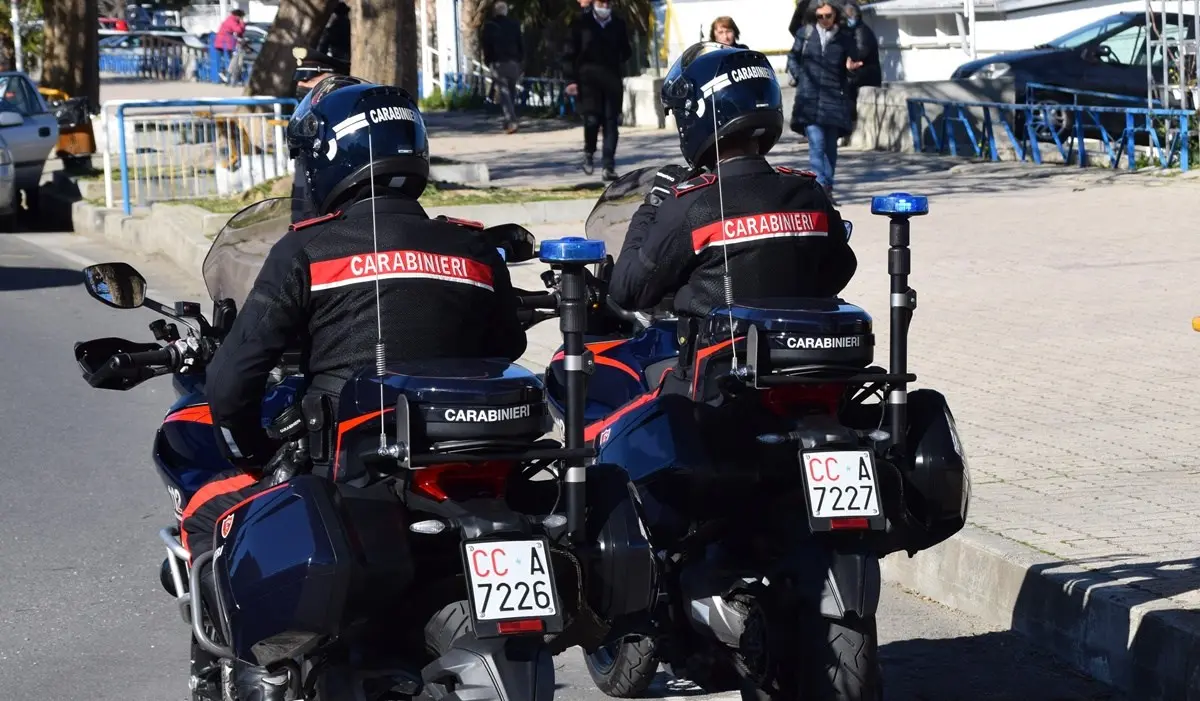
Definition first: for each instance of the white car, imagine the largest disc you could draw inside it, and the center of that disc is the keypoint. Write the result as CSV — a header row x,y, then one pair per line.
x,y
30,131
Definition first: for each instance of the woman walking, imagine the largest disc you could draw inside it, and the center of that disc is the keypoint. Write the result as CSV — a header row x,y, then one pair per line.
x,y
820,62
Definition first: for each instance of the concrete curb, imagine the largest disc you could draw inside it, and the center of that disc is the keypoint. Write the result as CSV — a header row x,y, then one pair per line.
x,y
1104,627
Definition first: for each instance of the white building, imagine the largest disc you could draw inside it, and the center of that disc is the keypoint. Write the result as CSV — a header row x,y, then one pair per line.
x,y
924,40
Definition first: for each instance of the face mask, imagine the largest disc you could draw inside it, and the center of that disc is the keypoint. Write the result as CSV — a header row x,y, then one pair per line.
x,y
852,22
602,12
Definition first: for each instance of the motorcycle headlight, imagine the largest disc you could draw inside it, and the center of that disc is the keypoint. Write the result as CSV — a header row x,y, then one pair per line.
x,y
993,71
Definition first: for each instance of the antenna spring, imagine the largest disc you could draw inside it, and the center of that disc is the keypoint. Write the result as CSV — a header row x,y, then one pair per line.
x,y
380,358
728,280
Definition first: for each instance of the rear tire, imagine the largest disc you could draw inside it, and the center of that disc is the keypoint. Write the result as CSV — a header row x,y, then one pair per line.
x,y
626,669
834,660
446,626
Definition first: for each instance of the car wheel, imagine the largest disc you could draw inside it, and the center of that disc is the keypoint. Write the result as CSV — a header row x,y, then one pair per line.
x,y
1052,119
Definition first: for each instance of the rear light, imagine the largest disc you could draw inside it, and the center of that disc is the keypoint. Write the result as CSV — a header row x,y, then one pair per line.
x,y
533,625
462,480
804,399
849,524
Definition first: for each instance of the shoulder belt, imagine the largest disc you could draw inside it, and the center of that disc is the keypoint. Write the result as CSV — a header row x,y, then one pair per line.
x,y
304,224
470,224
792,171
697,183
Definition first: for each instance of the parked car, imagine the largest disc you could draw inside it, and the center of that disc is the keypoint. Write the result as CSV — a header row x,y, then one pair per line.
x,y
9,195
1107,56
30,131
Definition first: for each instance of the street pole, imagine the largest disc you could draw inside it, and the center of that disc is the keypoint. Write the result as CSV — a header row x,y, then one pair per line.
x,y
19,58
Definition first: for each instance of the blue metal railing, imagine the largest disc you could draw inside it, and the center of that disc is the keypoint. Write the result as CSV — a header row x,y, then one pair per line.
x,y
531,92
1011,117
122,146
1031,88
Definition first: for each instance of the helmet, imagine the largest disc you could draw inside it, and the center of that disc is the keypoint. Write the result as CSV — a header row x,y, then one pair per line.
x,y
716,91
347,128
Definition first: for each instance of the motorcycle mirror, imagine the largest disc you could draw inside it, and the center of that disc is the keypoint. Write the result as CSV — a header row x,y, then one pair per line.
x,y
517,242
849,225
115,284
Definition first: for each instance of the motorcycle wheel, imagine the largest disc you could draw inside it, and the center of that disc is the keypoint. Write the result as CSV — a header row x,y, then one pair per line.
x,y
446,626
834,660
624,670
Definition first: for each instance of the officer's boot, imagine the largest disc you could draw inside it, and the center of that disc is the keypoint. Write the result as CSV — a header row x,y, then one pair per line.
x,y
259,684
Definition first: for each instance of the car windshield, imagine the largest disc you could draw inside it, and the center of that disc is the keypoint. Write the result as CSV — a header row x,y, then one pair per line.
x,y
1089,32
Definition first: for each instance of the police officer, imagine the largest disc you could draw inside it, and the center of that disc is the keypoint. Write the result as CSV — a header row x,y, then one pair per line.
x,y
782,235
443,291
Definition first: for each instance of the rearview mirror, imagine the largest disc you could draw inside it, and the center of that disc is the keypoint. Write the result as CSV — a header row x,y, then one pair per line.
x,y
849,225
115,284
517,242
11,119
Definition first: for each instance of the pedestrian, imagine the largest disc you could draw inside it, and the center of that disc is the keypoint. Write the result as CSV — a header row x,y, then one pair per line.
x,y
800,17
820,63
504,54
230,31
725,31
335,39
870,73
593,66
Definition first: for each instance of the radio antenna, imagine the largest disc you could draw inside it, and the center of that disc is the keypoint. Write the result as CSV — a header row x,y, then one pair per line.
x,y
380,355
728,279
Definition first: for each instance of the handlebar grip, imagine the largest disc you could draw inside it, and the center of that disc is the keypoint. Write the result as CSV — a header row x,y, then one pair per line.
x,y
162,356
543,300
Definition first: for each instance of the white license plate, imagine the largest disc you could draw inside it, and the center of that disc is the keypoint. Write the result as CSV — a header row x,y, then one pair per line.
x,y
841,484
510,579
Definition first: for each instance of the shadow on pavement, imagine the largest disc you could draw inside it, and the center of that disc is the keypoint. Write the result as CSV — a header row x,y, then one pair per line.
x,y
489,122
1082,610
15,279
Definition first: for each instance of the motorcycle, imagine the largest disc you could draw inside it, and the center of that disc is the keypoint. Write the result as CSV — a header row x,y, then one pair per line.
x,y
763,473
427,562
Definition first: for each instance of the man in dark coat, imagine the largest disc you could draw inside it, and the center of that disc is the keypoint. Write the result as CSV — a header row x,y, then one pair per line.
x,y
335,40
820,62
593,66
504,54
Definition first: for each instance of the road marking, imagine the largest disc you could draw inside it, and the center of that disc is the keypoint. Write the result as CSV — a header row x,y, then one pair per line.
x,y
57,244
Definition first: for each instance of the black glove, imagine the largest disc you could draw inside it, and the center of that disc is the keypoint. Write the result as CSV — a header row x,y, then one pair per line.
x,y
666,178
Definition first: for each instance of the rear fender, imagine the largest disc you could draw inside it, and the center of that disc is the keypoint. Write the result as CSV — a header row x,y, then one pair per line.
x,y
842,584
504,669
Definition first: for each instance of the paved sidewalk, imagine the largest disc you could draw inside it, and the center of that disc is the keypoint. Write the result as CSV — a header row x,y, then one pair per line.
x,y
1054,310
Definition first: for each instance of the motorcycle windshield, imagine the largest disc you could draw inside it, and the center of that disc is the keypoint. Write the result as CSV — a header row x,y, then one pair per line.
x,y
609,219
239,250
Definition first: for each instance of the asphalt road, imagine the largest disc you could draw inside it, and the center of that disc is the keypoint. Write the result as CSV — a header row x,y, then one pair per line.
x,y
82,615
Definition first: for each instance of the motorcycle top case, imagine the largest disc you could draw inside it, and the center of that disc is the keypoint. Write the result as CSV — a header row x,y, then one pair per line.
x,y
448,400
283,566
798,331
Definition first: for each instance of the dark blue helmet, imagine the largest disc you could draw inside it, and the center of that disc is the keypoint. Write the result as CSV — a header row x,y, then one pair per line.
x,y
715,92
328,137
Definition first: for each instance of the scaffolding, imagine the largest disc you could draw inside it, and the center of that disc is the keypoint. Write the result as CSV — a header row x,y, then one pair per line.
x,y
1176,82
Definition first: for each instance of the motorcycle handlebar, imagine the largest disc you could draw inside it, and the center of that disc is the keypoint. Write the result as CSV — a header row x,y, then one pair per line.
x,y
541,300
163,356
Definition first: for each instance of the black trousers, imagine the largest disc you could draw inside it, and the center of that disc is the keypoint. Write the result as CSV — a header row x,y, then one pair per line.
x,y
601,99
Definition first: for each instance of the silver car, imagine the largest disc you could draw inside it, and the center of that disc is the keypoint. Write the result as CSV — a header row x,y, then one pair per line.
x,y
30,130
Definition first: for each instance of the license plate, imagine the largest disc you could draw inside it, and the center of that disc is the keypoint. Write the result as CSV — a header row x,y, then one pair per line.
x,y
841,484
510,579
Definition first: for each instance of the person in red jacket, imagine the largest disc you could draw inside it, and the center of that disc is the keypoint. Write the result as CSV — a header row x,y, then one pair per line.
x,y
232,29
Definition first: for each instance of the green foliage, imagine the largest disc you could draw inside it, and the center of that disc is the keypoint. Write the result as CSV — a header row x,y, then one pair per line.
x,y
33,37
452,100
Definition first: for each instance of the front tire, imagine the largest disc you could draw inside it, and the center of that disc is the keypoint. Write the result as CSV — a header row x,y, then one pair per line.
x,y
624,670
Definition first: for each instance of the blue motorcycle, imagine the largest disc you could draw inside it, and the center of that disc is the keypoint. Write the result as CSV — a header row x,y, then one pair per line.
x,y
428,563
769,465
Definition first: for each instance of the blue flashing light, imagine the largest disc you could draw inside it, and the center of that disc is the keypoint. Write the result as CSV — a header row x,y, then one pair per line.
x,y
900,203
572,249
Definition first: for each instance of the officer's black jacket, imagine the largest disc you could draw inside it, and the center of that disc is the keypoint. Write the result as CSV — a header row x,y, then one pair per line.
x,y
444,293
782,235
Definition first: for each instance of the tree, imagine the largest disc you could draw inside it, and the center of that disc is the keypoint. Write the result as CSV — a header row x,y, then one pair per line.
x,y
383,42
298,23
71,62
472,16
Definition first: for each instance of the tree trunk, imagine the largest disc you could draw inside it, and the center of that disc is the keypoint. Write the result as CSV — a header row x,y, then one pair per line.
x,y
383,42
71,61
298,23
472,15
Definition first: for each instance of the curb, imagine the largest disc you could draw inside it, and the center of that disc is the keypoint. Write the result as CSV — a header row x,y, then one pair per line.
x,y
1102,626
